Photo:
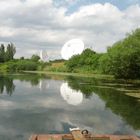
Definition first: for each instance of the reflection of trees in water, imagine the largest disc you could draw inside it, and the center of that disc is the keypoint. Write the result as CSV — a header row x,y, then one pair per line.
x,y
82,84
34,79
120,103
7,84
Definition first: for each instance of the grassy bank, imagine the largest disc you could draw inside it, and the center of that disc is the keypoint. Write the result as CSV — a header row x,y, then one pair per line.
x,y
99,76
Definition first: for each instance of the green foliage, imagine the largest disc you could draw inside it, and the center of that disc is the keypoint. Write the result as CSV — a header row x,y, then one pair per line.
x,y
23,65
86,62
54,67
123,58
73,62
57,61
8,53
3,68
104,64
35,58
20,65
2,53
22,58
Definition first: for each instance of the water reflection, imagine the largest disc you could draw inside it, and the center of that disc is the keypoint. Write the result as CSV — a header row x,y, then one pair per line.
x,y
120,103
43,85
6,85
72,97
7,82
79,102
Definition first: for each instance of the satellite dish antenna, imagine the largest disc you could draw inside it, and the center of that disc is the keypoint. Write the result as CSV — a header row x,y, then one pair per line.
x,y
71,96
72,47
43,55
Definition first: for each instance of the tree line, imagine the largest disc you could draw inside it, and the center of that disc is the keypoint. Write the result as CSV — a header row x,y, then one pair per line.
x,y
7,53
122,59
10,64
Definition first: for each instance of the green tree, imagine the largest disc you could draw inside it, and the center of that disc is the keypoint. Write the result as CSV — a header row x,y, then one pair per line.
x,y
10,52
86,62
22,58
123,58
2,53
104,64
35,58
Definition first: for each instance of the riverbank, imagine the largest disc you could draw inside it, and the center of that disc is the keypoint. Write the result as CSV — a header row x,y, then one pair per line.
x,y
104,82
89,75
72,74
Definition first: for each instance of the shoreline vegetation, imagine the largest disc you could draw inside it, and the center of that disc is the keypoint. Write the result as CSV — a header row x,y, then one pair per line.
x,y
71,74
121,61
83,75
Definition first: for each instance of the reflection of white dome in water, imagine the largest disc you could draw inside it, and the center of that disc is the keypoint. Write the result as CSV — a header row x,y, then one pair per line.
x,y
72,97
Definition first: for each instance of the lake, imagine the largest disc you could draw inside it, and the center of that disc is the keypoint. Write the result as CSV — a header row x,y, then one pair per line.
x,y
31,103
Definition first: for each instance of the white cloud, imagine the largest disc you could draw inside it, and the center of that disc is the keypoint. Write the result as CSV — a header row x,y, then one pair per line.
x,y
6,32
107,11
37,24
37,2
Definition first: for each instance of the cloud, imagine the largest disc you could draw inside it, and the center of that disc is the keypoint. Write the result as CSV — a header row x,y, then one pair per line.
x,y
47,112
40,24
5,104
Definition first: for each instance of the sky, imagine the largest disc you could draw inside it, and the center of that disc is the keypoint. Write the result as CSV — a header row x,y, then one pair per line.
x,y
35,25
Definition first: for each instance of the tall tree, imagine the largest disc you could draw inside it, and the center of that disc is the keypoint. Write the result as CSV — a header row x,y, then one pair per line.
x,y
2,53
10,52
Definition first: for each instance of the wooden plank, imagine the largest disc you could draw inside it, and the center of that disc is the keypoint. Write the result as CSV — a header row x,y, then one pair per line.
x,y
134,137
49,137
77,135
33,137
57,137
44,137
67,137
124,137
116,137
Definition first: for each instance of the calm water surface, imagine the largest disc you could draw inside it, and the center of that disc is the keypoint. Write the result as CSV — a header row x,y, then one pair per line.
x,y
53,104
